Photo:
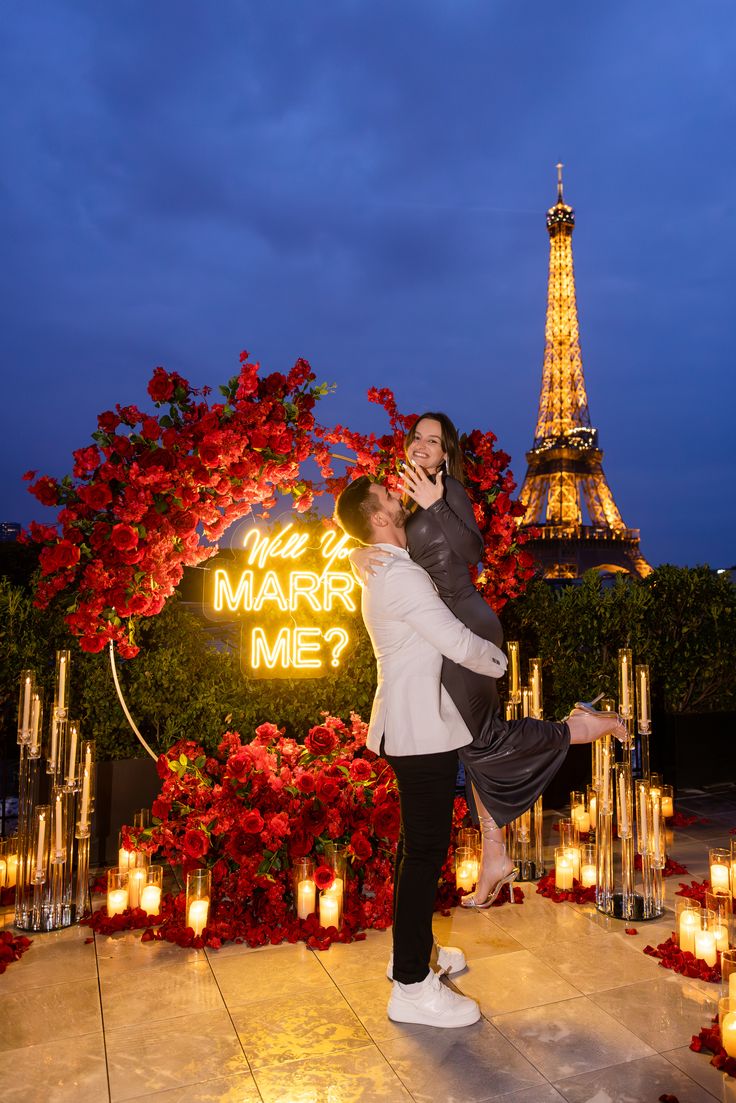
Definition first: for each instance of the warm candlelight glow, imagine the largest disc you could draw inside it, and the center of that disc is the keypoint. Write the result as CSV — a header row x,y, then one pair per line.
x,y
197,918
668,806
40,863
3,872
593,807
581,817
306,897
563,873
151,899
466,875
728,1033
136,882
117,901
719,879
721,934
705,946
587,876
11,874
329,910
689,924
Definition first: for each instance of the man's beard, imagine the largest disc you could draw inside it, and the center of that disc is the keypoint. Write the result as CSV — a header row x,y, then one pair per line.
x,y
401,516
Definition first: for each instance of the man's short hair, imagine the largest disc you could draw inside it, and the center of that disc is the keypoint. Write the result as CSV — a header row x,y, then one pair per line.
x,y
354,508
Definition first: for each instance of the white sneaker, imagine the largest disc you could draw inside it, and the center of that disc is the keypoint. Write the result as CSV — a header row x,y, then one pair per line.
x,y
431,1003
450,960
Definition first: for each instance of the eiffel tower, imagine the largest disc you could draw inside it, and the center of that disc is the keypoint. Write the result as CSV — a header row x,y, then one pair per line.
x,y
565,472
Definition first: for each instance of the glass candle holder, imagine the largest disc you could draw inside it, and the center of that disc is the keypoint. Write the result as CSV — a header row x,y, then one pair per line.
x,y
705,938
624,800
199,892
579,811
643,702
512,652
40,844
59,813
564,869
592,798
727,1024
117,892
668,802
466,868
720,904
687,922
728,973
34,746
150,893
11,861
141,819
733,867
526,701
587,865
720,870
304,888
71,759
568,832
535,686
468,837
335,857
625,684
25,704
87,794
129,859
329,910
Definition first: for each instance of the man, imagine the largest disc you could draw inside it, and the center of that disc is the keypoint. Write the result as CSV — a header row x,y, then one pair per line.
x,y
418,729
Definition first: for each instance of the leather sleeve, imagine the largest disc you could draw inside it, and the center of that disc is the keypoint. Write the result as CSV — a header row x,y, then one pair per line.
x,y
454,514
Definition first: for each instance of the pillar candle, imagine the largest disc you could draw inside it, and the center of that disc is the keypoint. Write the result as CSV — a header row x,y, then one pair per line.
x,y
124,859
732,987
58,818
62,681
40,864
3,872
306,895
643,835
721,937
623,827
705,946
689,923
72,769
136,882
643,697
466,875
593,805
668,807
11,875
329,910
26,721
197,918
728,1033
563,874
587,876
84,813
719,878
117,901
54,744
625,685
151,899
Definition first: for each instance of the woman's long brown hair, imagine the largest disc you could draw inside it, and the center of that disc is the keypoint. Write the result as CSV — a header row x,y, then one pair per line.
x,y
450,444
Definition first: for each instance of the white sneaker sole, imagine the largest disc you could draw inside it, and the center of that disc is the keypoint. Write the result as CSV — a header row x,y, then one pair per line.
x,y
424,1018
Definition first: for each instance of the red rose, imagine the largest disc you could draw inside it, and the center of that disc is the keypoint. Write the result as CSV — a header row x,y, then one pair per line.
x,y
124,537
320,740
96,495
327,789
46,490
386,821
306,784
252,821
300,844
360,770
161,808
59,557
313,817
108,421
323,877
85,460
195,844
362,849
266,733
161,387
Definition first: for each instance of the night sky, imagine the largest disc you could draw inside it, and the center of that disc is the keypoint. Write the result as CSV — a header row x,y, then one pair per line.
x,y
364,184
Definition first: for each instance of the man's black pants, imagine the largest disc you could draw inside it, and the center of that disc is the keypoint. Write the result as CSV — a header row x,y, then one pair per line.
x,y
426,793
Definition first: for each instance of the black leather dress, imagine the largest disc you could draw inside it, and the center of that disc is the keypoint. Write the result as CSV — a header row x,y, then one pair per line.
x,y
510,762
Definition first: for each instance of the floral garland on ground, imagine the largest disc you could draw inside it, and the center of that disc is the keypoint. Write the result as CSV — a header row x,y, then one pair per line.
x,y
576,895
152,492
12,948
709,1041
251,810
682,961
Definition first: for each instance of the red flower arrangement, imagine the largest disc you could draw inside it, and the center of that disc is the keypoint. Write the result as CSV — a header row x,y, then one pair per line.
x,y
577,894
250,811
672,957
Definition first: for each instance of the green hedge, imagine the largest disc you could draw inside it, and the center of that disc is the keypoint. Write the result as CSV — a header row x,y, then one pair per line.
x,y
187,680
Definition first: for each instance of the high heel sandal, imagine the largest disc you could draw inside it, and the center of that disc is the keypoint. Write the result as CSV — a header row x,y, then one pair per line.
x,y
471,902
588,707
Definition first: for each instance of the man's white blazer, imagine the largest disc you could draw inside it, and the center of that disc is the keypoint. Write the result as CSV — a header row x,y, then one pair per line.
x,y
411,628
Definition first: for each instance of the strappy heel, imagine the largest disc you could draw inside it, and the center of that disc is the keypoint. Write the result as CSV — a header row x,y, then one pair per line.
x,y
471,902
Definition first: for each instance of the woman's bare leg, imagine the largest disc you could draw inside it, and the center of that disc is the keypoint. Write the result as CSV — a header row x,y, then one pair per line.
x,y
586,727
495,862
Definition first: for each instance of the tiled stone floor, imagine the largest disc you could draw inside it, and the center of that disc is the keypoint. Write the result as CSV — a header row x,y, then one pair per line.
x,y
572,1010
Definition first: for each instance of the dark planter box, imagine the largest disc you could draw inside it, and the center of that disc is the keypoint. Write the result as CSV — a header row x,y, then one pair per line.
x,y
123,786
690,750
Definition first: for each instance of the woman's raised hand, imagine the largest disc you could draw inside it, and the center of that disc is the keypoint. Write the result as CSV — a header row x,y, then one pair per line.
x,y
366,561
417,484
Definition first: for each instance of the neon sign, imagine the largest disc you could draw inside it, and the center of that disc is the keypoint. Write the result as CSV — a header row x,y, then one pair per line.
x,y
300,604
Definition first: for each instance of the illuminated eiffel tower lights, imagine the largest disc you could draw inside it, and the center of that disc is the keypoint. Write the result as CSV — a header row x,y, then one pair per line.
x,y
565,471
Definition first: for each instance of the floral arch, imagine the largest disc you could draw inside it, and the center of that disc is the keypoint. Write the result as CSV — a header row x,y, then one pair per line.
x,y
153,494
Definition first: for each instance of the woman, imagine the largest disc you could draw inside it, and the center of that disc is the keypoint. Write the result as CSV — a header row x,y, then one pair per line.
x,y
509,763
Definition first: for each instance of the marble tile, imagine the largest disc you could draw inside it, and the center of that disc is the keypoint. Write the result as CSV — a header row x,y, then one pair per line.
x,y
541,1094
512,981
315,1024
188,988
463,1065
155,1057
124,952
277,973
698,1067
595,964
29,1015
240,1088
664,1012
633,1082
349,962
569,1038
360,1077
369,1001
538,922
53,958
475,932
57,1072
